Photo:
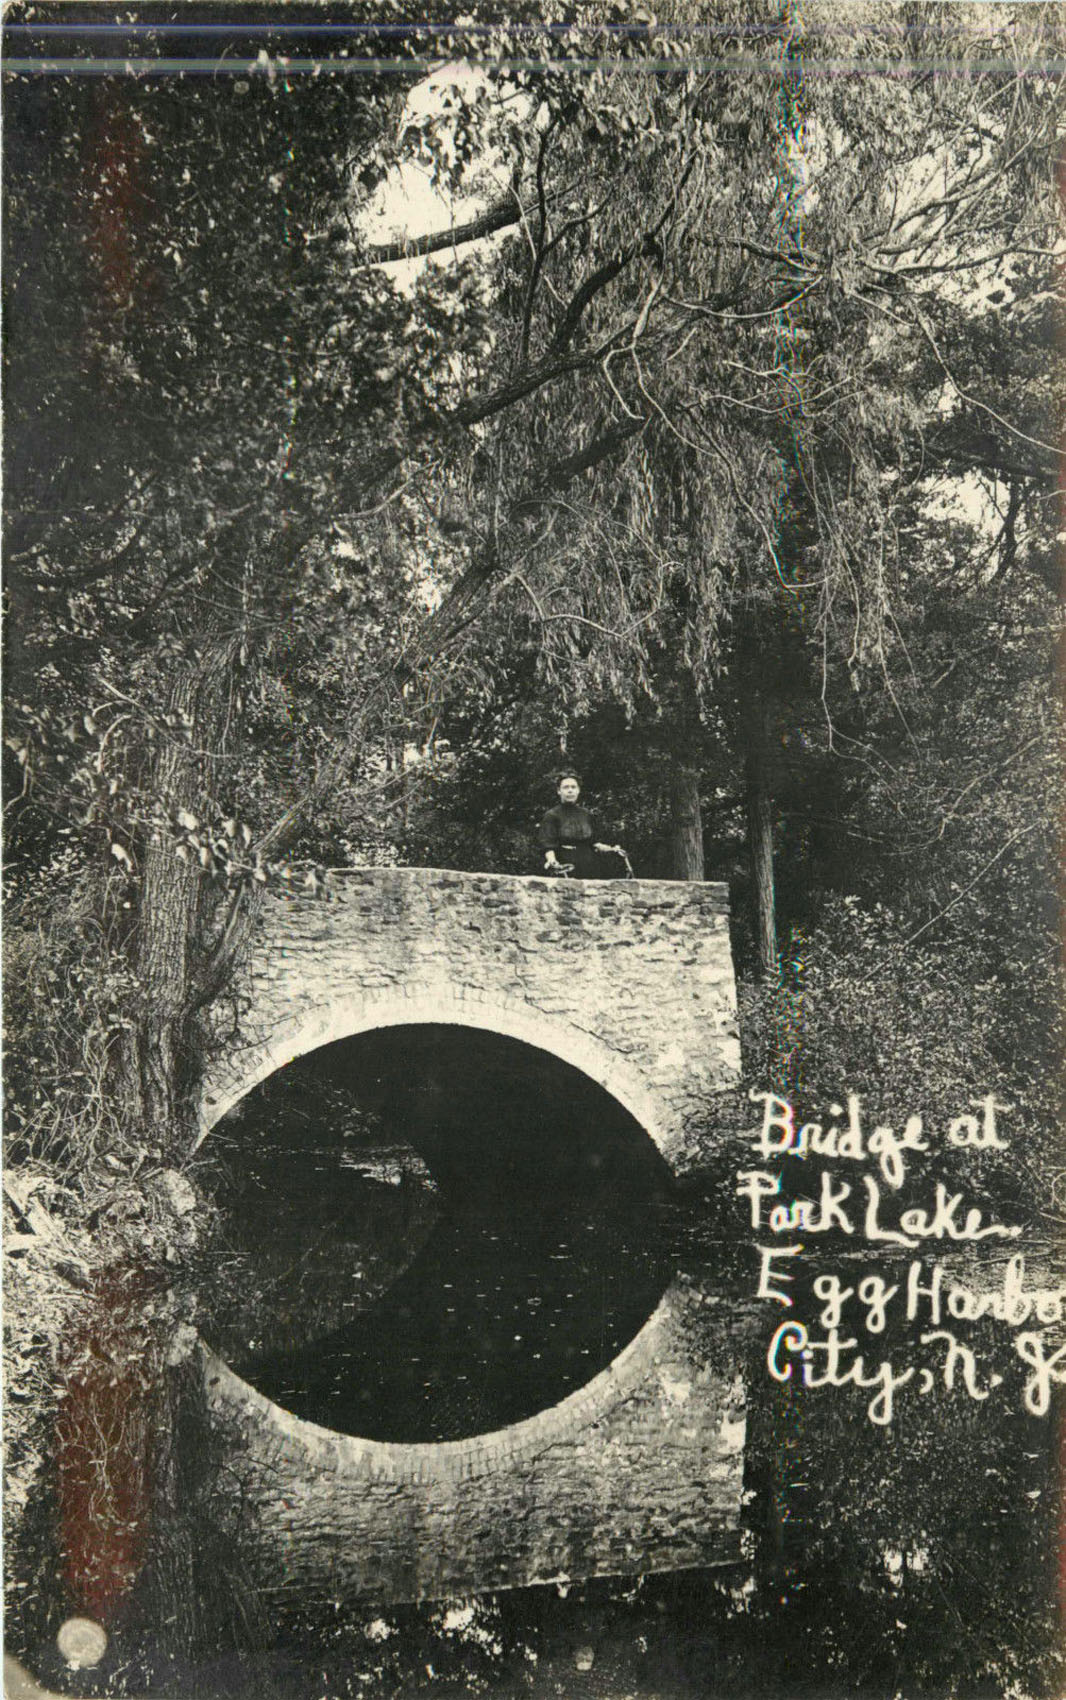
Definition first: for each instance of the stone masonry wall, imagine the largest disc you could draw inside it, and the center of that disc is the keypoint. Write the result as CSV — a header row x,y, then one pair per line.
x,y
629,980
639,1471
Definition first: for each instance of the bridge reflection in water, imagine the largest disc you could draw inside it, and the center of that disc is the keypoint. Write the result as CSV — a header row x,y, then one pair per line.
x,y
451,1231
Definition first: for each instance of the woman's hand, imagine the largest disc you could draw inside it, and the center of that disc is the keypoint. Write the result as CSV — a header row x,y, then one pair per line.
x,y
550,859
609,849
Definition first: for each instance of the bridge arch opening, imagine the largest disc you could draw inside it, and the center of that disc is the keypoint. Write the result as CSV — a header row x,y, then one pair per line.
x,y
450,1231
313,1025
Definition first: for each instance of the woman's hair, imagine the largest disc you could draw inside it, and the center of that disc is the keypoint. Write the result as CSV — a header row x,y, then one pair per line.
x,y
566,773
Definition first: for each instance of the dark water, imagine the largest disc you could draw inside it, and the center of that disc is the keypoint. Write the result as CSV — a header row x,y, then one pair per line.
x,y
450,1232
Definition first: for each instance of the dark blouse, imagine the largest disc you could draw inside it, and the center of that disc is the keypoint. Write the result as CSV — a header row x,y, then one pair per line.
x,y
566,823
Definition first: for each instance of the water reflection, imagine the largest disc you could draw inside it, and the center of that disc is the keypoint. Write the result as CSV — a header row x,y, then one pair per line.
x,y
454,1229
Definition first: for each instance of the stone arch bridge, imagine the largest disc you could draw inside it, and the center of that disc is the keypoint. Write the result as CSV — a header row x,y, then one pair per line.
x,y
639,1469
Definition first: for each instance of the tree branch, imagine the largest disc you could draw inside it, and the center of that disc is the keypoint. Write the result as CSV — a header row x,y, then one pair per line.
x,y
539,250
499,217
560,472
605,274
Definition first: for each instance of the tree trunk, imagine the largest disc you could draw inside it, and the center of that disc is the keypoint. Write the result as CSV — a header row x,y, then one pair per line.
x,y
686,824
168,942
169,898
127,1545
760,810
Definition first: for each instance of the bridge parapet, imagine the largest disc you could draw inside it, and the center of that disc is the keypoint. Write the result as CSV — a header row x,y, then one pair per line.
x,y
629,980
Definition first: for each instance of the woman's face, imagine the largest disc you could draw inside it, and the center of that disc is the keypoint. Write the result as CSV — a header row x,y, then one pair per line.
x,y
569,790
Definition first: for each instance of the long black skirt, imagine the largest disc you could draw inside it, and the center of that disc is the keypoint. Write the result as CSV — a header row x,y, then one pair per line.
x,y
582,860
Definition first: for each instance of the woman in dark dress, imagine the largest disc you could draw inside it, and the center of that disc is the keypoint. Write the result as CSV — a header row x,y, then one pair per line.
x,y
567,836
